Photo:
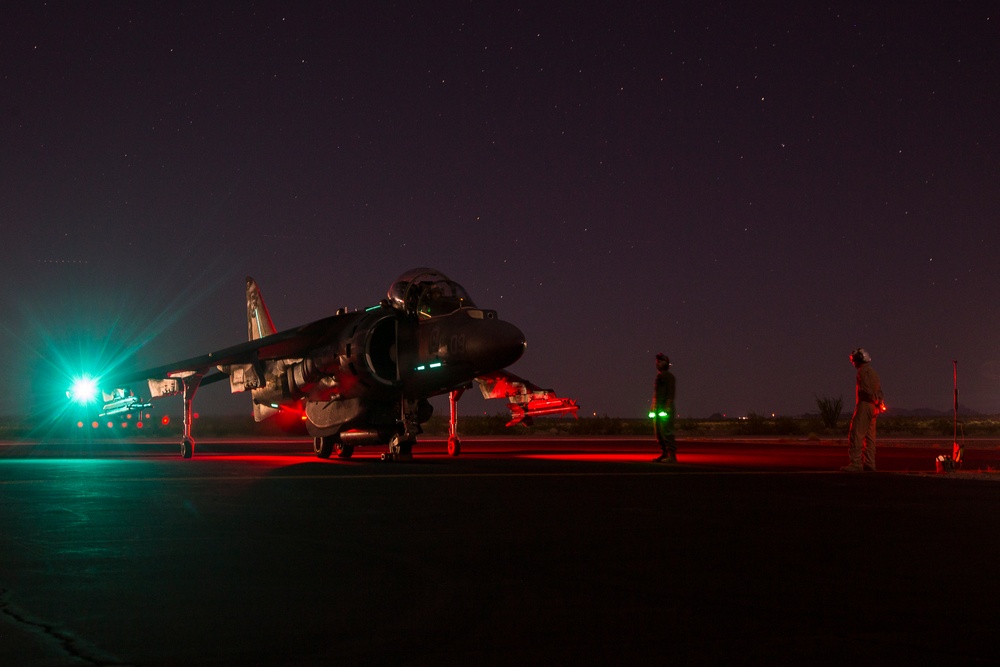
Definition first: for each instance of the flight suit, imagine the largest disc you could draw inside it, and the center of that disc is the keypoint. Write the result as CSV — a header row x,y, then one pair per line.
x,y
868,399
663,402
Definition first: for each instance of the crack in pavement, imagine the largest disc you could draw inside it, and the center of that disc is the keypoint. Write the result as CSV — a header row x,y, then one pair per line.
x,y
72,646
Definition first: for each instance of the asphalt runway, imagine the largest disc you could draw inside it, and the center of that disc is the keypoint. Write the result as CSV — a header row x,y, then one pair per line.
x,y
518,552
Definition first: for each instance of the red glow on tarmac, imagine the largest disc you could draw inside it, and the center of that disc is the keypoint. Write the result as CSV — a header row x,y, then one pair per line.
x,y
269,460
617,458
722,455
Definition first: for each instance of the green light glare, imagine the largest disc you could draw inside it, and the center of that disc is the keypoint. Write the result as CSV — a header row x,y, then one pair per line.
x,y
83,390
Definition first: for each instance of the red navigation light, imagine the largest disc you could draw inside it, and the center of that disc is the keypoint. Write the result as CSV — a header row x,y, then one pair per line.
x,y
138,424
165,420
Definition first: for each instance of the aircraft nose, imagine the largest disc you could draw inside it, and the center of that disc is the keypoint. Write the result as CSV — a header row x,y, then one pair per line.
x,y
501,344
510,342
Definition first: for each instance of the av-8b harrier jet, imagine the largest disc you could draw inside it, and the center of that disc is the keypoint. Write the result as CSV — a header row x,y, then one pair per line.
x,y
361,377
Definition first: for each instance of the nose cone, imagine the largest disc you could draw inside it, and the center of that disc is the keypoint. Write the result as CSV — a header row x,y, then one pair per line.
x,y
496,345
511,343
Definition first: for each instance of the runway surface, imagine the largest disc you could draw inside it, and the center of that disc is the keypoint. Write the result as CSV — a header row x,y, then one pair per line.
x,y
520,551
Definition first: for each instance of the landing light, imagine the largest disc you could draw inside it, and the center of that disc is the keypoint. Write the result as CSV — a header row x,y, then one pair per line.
x,y
83,390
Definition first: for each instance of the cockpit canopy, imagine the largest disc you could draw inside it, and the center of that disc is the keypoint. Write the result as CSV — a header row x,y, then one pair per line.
x,y
427,293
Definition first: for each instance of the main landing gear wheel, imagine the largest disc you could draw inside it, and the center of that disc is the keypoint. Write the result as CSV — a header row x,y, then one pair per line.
x,y
343,451
187,448
454,446
323,446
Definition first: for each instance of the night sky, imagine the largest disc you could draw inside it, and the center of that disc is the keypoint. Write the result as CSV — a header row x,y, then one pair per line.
x,y
754,189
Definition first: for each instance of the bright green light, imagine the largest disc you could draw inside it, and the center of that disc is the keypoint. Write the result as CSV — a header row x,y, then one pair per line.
x,y
83,390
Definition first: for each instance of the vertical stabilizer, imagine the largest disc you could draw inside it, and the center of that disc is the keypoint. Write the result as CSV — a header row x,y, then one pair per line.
x,y
259,322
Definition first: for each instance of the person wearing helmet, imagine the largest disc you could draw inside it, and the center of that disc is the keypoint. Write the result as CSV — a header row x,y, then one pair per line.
x,y
662,410
868,405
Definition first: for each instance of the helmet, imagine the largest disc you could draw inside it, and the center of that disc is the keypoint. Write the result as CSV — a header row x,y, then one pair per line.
x,y
662,359
860,356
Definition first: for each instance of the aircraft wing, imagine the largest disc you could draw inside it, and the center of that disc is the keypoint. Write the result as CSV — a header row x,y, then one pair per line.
x,y
289,344
525,400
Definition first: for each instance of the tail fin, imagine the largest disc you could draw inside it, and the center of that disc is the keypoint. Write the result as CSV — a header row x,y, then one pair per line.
x,y
259,322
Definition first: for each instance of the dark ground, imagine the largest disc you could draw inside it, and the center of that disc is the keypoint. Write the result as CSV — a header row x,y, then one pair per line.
x,y
520,551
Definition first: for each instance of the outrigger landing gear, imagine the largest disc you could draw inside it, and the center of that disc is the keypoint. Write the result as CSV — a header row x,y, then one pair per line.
x,y
190,384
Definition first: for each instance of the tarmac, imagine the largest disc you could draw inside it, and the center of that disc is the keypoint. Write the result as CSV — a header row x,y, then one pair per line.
x,y
520,551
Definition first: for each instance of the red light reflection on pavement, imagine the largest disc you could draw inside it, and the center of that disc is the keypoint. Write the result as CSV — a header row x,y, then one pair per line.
x,y
618,458
730,459
718,455
268,460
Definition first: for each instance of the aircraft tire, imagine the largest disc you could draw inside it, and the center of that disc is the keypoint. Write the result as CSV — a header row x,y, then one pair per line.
x,y
187,448
343,451
454,446
323,446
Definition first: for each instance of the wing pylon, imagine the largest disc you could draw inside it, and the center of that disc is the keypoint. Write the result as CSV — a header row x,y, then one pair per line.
x,y
524,399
